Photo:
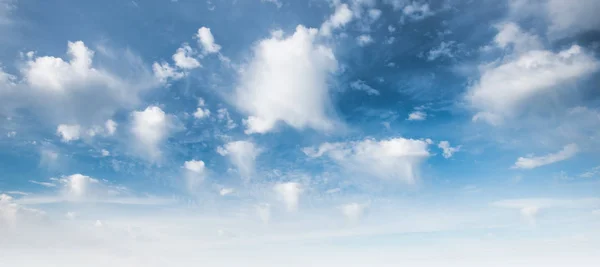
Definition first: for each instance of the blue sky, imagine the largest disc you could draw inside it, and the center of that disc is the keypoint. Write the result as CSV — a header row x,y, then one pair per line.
x,y
326,132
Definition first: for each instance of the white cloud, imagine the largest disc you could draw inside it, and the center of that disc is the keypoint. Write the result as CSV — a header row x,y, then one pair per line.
x,y
290,194
226,191
195,173
111,127
104,153
362,86
417,116
76,91
531,162
445,49
78,185
510,34
591,173
184,59
46,184
207,41
68,132
391,28
13,214
163,72
505,88
364,40
242,155
223,116
342,16
564,18
374,14
286,81
354,211
448,151
150,128
391,159
417,11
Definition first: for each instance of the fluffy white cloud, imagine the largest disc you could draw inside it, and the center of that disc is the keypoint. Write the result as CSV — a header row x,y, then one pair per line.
x,y
417,116
392,159
184,59
505,88
78,185
290,194
201,112
286,81
163,72
448,151
354,211
13,214
567,152
150,128
226,191
364,40
68,132
104,153
564,18
362,86
207,41
195,173
75,90
242,155
111,127
417,11
510,34
341,16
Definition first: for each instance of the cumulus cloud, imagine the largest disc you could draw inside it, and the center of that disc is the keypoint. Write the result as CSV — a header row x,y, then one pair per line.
x,y
417,116
364,40
68,132
290,194
13,214
242,154
150,128
207,41
286,81
164,72
201,112
506,87
195,173
417,11
75,90
532,162
448,151
563,18
390,159
340,17
360,85
184,59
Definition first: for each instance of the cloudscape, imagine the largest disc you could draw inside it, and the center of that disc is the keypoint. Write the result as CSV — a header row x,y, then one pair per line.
x,y
299,133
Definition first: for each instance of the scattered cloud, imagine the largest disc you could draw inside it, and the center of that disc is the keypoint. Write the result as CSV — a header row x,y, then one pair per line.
x,y
290,194
207,41
242,154
286,81
150,128
389,159
448,151
417,115
184,59
364,40
532,162
360,85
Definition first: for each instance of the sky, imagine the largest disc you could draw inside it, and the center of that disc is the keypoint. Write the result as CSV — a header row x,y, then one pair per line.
x,y
299,133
